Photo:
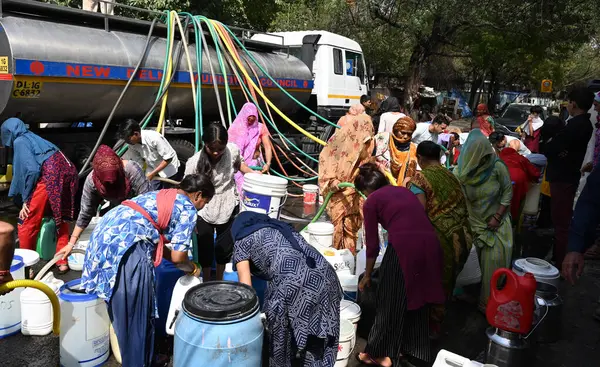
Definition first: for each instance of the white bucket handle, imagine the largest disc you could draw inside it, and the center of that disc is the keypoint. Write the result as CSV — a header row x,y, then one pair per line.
x,y
280,205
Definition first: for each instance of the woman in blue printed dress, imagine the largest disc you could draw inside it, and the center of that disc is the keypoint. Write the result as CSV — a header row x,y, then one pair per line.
x,y
125,247
302,301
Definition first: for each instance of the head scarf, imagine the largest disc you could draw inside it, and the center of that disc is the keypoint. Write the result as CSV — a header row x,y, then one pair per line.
x,y
356,109
345,151
243,135
404,124
476,161
248,222
30,152
482,107
109,175
393,105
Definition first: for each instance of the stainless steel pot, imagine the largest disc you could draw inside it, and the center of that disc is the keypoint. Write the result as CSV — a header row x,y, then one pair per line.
x,y
508,349
549,329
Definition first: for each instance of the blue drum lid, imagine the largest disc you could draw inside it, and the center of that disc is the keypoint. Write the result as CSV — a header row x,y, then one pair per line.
x,y
220,301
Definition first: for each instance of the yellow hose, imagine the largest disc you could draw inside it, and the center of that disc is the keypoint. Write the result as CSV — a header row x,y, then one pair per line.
x,y
163,108
390,178
243,70
47,291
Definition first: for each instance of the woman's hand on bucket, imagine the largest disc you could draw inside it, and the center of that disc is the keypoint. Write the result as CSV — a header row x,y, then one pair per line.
x,y
65,251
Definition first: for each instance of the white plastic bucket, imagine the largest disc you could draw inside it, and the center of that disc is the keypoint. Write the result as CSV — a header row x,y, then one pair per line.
x,y
10,304
36,309
347,340
311,192
532,200
350,311
349,285
76,260
264,194
320,234
543,271
84,328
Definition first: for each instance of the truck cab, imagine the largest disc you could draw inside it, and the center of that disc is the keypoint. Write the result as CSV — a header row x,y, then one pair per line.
x,y
337,65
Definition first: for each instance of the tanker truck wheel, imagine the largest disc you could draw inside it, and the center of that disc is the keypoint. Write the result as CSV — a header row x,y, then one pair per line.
x,y
185,150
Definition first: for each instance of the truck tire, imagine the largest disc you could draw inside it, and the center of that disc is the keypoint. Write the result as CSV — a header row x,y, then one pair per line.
x,y
185,150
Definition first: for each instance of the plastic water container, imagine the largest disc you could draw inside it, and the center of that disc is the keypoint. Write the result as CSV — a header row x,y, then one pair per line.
x,y
361,261
347,340
449,359
342,261
46,242
532,199
10,304
264,194
76,260
310,194
36,309
543,271
84,327
166,275
320,234
349,285
259,285
220,325
183,284
30,258
350,311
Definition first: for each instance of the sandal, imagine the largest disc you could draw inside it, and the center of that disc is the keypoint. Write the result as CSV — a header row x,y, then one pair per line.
x,y
370,361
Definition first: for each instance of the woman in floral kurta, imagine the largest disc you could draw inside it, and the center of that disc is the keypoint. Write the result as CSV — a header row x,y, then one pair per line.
x,y
348,149
488,189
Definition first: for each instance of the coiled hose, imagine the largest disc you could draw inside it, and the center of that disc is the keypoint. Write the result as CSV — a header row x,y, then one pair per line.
x,y
27,283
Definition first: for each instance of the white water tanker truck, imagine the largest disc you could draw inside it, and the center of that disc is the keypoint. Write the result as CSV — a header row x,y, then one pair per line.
x,y
63,69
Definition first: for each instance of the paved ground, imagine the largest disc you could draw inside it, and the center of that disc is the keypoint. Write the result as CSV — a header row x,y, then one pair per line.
x,y
465,327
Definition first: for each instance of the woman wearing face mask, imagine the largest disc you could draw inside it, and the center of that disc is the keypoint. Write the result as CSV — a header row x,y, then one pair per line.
x,y
396,152
532,128
248,134
125,247
219,160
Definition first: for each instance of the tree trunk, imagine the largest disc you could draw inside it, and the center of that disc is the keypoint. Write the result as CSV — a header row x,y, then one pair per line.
x,y
493,90
475,85
415,74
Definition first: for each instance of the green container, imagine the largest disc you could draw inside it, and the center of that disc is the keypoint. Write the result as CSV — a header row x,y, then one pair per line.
x,y
46,242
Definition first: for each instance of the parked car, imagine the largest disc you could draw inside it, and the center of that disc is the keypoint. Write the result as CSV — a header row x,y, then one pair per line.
x,y
516,114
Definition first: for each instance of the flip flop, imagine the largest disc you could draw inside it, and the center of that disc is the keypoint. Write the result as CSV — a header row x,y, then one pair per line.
x,y
369,362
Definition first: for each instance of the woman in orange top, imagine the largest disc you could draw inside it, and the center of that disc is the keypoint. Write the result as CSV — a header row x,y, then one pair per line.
x,y
396,152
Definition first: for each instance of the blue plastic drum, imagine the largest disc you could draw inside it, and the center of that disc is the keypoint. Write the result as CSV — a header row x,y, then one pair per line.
x,y
219,326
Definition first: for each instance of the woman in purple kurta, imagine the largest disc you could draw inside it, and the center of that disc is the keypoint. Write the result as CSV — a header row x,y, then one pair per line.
x,y
410,276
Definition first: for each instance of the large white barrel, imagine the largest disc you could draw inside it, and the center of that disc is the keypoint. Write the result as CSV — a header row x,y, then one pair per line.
x,y
84,327
10,305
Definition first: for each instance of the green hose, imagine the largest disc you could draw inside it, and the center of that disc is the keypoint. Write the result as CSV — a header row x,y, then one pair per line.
x,y
328,197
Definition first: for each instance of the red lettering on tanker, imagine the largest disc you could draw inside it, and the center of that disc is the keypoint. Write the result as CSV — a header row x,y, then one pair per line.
x,y
88,71
73,70
145,74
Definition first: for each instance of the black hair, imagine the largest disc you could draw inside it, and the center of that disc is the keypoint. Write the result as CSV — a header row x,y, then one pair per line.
x,y
583,97
440,119
364,99
429,150
456,136
496,137
214,132
370,178
128,128
198,183
536,109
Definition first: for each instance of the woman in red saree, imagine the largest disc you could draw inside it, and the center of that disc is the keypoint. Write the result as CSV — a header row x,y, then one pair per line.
x,y
485,122
522,173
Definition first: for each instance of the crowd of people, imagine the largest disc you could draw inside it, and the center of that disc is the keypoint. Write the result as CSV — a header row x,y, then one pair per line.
x,y
441,194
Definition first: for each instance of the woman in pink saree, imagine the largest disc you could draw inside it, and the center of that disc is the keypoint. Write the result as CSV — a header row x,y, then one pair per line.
x,y
248,134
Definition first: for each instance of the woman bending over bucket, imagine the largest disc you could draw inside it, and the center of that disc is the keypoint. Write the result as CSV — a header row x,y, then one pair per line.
x,y
350,147
43,178
410,275
302,301
248,134
111,179
220,161
125,247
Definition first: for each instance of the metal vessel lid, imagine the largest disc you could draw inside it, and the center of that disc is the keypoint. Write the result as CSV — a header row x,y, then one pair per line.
x,y
220,301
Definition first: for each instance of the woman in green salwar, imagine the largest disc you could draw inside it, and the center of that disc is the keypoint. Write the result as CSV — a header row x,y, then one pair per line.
x,y
487,186
441,195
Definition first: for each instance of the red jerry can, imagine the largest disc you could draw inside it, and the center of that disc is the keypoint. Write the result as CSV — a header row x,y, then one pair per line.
x,y
511,308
